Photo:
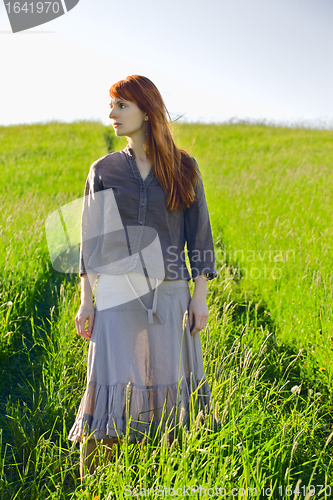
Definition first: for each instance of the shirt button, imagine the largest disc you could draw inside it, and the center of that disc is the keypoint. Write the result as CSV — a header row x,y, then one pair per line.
x,y
142,204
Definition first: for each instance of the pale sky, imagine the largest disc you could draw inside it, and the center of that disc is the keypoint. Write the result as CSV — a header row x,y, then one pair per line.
x,y
212,60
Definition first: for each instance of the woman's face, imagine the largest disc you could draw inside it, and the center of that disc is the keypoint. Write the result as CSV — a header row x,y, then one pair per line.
x,y
128,118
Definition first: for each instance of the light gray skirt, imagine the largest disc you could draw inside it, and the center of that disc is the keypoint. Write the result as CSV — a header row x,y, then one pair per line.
x,y
142,364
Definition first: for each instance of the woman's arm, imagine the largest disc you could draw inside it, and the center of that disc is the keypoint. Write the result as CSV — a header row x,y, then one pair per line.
x,y
198,311
87,285
200,248
198,236
91,231
200,285
86,311
92,219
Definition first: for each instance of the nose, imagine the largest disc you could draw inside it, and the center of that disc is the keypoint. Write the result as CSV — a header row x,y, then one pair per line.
x,y
112,113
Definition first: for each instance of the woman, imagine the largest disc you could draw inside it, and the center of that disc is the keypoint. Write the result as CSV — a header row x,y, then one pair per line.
x,y
141,205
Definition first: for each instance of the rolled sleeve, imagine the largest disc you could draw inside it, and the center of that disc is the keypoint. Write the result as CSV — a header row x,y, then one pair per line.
x,y
92,218
198,235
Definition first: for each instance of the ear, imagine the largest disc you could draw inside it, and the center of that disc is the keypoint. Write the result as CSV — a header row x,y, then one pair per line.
x,y
146,118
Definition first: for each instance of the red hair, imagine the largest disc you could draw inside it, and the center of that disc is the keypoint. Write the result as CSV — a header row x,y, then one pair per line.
x,y
175,170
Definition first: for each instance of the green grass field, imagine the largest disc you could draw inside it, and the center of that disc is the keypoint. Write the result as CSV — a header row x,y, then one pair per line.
x,y
267,346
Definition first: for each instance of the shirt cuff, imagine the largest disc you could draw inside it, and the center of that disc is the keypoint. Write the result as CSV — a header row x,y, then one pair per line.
x,y
210,275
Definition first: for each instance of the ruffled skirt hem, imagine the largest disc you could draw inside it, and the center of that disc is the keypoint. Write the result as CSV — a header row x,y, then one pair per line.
x,y
105,411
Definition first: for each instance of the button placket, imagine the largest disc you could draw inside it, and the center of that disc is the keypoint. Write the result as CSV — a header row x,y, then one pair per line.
x,y
140,221
142,205
142,198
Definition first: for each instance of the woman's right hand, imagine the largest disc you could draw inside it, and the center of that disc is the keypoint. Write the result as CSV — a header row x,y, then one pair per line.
x,y
85,313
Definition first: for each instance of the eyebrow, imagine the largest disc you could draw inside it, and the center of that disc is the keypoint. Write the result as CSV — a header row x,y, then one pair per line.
x,y
118,100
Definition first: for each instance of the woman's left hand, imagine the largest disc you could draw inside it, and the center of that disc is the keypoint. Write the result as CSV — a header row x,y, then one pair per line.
x,y
197,313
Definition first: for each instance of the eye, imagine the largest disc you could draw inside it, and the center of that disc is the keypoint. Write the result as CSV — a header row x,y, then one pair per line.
x,y
121,104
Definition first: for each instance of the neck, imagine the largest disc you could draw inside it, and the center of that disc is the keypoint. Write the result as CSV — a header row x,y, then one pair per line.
x,y
137,145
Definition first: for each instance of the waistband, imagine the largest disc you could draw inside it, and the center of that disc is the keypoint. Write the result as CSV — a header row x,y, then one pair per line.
x,y
136,284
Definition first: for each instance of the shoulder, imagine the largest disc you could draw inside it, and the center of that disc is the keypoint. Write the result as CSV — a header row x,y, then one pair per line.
x,y
189,161
101,168
194,161
108,160
105,164
198,183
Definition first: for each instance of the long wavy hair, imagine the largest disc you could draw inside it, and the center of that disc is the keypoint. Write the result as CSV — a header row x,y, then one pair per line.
x,y
174,168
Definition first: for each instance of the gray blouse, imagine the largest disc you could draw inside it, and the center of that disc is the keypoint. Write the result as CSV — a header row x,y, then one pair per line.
x,y
126,225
